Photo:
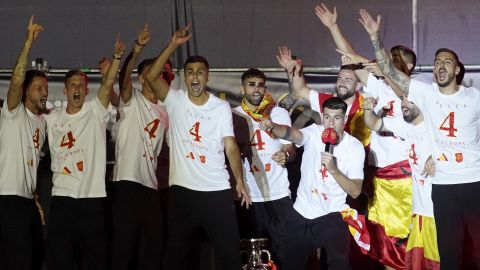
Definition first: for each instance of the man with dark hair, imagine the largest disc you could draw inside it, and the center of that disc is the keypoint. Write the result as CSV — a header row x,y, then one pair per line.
x,y
326,180
76,136
264,158
139,132
200,134
452,115
22,133
421,249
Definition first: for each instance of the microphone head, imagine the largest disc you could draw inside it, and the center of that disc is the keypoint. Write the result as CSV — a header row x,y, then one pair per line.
x,y
329,135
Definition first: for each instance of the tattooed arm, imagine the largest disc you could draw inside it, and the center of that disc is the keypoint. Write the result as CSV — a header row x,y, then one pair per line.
x,y
384,61
15,91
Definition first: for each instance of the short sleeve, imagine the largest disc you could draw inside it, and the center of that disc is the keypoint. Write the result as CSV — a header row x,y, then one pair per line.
x,y
102,113
355,168
6,114
418,92
227,122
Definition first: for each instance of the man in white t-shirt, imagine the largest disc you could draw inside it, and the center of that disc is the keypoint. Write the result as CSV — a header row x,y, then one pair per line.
x,y
321,196
139,132
422,242
452,116
22,133
76,136
264,158
200,133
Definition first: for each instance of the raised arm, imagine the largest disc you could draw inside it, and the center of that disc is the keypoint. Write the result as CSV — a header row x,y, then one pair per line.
x,y
329,19
106,89
372,120
15,91
286,61
125,77
283,132
397,77
157,83
233,155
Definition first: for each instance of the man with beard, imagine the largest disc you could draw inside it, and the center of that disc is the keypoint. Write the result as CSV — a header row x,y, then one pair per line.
x,y
200,132
452,115
327,177
22,133
264,158
347,88
76,136
421,250
139,133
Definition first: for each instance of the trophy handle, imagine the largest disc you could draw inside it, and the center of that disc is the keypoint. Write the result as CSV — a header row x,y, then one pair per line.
x,y
266,252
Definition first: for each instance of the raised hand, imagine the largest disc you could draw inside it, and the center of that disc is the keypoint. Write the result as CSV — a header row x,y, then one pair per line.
x,y
328,18
352,58
33,30
119,48
181,36
143,37
284,58
371,26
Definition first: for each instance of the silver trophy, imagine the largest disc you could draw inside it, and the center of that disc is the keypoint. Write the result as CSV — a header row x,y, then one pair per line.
x,y
254,248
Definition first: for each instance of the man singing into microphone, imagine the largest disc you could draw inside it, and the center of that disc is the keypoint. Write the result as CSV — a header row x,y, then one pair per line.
x,y
328,175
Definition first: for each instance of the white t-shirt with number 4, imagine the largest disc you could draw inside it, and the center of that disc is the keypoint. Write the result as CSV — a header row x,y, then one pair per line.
x,y
78,149
418,150
197,159
139,137
319,193
385,148
21,137
454,126
266,180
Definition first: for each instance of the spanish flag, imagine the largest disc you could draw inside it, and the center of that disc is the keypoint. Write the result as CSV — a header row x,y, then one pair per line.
x,y
390,214
422,249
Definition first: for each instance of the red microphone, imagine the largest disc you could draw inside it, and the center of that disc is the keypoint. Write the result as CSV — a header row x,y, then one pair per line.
x,y
329,137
